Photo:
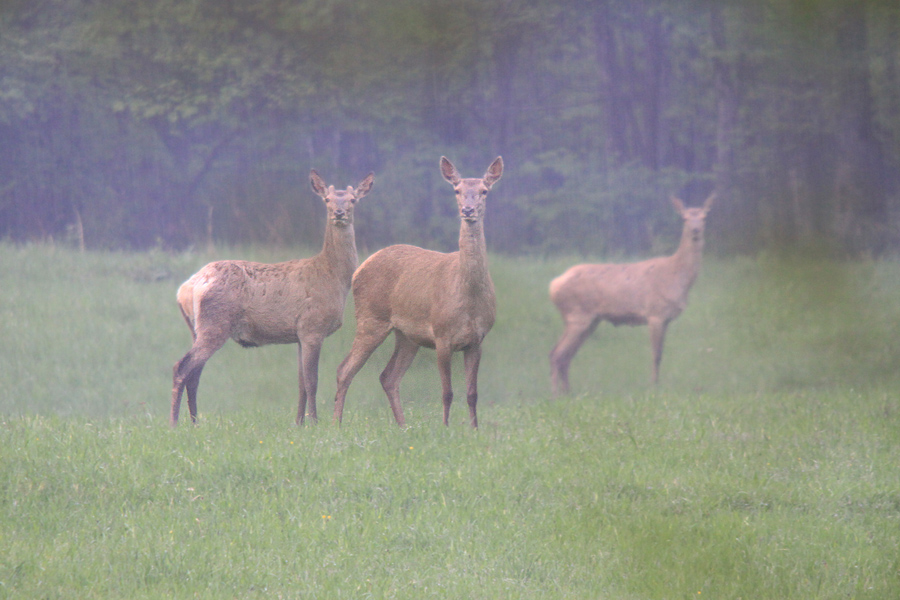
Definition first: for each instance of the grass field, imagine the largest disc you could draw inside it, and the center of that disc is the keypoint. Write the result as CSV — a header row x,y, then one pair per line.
x,y
765,465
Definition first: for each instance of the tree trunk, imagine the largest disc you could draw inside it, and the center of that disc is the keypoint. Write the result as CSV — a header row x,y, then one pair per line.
x,y
859,184
735,221
610,81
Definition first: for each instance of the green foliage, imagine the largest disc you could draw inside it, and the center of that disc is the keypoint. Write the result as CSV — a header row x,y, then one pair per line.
x,y
621,210
138,118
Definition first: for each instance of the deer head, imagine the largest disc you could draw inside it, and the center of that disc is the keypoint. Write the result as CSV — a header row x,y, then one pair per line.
x,y
471,192
694,217
339,203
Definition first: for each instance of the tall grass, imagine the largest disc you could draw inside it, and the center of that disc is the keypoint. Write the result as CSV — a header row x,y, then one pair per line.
x,y
763,466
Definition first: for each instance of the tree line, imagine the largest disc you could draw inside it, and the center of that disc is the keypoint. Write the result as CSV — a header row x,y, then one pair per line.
x,y
188,122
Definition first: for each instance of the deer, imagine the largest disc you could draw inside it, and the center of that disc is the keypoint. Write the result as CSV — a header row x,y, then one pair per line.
x,y
652,292
443,301
299,302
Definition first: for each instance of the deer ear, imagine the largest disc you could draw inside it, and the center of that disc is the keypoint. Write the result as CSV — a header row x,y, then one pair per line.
x,y
449,171
317,184
678,204
494,172
709,202
365,185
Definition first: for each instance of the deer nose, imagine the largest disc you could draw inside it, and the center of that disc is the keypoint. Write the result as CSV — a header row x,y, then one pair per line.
x,y
340,213
468,212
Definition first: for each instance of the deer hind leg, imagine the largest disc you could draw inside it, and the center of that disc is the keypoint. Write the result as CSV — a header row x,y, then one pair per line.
x,y
578,329
364,344
184,370
471,360
657,338
191,384
404,352
308,374
186,373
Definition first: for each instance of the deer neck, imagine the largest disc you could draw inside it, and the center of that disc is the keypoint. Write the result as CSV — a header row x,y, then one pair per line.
x,y
689,255
473,265
339,251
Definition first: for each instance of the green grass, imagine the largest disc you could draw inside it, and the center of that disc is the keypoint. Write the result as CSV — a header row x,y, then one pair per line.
x,y
763,466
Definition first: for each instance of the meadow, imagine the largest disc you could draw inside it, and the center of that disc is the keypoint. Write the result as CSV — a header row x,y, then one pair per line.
x,y
764,465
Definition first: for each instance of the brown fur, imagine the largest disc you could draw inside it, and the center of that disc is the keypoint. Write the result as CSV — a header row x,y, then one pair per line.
x,y
427,298
294,302
652,292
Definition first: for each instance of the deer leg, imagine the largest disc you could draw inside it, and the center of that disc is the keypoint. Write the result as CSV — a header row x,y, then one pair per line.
x,y
191,384
308,369
404,353
444,356
186,372
657,337
178,383
301,405
576,332
364,344
471,360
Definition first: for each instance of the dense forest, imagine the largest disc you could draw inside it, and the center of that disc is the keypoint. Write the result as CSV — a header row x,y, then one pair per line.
x,y
180,123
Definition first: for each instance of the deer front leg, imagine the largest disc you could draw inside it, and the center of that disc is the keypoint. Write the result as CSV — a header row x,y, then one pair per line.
x,y
657,338
471,360
444,355
301,405
308,369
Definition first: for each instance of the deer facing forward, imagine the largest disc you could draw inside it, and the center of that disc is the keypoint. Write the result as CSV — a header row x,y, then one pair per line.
x,y
427,298
294,302
652,292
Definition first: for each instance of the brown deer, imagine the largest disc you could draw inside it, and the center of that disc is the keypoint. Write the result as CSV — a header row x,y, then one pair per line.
x,y
427,298
652,292
295,302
